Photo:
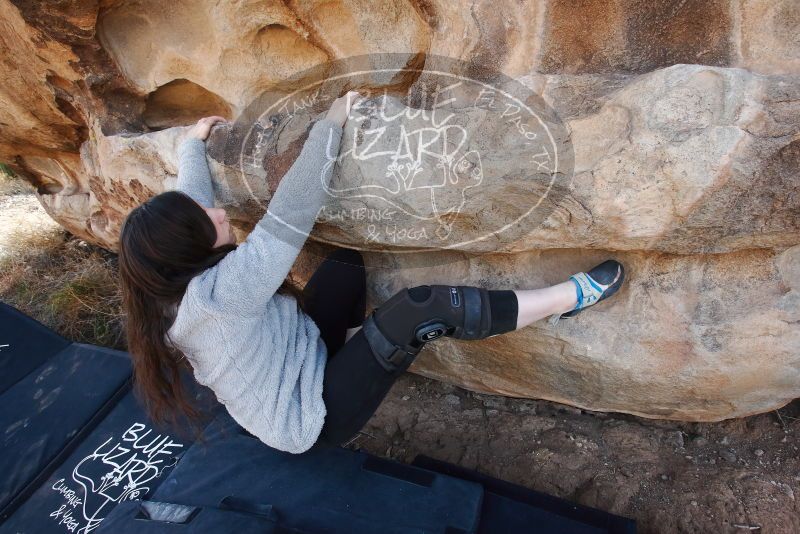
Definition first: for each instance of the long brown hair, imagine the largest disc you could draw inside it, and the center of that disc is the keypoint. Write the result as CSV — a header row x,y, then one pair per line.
x,y
164,243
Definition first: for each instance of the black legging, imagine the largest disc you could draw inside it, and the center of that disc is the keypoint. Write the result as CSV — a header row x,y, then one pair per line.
x,y
355,383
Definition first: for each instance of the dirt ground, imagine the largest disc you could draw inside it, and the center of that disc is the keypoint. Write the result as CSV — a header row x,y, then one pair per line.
x,y
733,476
730,477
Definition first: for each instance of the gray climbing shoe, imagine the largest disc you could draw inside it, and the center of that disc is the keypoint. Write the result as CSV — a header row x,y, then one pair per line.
x,y
598,284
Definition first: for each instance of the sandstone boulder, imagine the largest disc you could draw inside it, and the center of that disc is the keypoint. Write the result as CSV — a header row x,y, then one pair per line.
x,y
681,120
697,338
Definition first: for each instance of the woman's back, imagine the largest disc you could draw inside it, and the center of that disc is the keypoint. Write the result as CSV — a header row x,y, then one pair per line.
x,y
252,346
265,367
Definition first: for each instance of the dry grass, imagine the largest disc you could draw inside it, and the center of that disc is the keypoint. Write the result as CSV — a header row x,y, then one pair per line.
x,y
67,284
10,184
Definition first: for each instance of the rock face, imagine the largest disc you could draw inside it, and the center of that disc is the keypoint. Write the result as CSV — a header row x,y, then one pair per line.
x,y
698,337
682,128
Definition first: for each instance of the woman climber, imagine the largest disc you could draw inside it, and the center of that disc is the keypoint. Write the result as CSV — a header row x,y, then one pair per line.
x,y
296,370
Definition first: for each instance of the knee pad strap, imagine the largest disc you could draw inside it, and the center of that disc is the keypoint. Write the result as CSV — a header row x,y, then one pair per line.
x,y
390,356
477,314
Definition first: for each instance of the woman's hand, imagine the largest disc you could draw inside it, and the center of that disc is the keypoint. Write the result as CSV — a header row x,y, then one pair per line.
x,y
203,127
340,109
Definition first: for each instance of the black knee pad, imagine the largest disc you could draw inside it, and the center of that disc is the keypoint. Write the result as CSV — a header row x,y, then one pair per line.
x,y
399,329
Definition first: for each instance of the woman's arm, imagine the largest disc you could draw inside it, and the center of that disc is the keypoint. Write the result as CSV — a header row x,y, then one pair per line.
x,y
246,278
194,178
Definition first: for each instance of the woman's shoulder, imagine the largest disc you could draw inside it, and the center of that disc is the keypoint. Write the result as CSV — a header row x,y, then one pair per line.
x,y
190,314
200,308
199,291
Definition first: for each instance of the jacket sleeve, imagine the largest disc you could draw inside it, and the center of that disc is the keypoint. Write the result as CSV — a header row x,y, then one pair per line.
x,y
194,177
246,278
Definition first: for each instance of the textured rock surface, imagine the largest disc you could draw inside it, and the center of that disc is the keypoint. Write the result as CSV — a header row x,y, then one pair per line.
x,y
699,337
684,124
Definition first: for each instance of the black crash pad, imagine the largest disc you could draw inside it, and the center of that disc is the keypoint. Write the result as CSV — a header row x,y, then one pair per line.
x,y
151,517
24,345
125,457
509,508
325,489
80,456
50,406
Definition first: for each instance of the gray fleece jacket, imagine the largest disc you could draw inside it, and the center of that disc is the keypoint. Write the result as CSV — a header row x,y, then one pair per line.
x,y
260,354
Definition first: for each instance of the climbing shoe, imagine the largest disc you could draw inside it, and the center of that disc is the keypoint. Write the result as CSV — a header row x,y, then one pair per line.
x,y
598,284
